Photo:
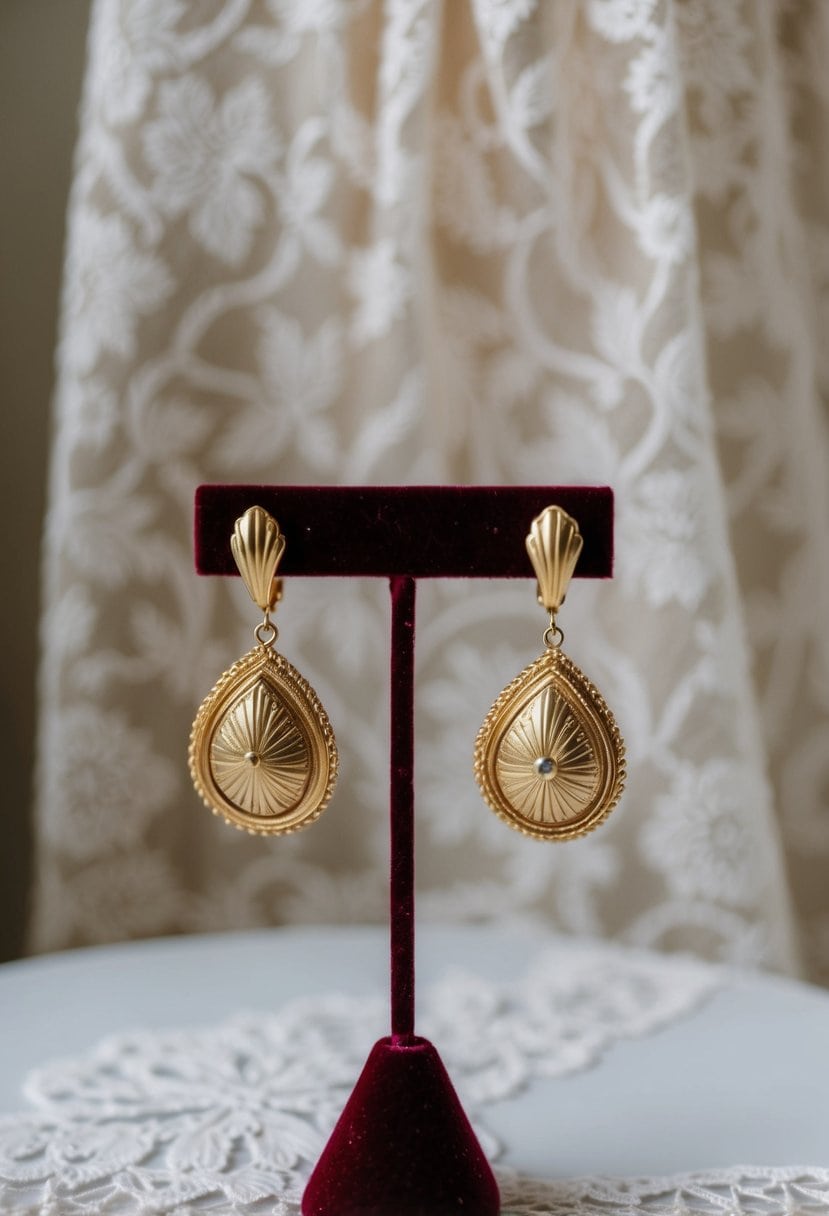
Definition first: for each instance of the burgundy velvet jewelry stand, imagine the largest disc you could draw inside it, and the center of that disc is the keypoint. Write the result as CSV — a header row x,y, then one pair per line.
x,y
403,1145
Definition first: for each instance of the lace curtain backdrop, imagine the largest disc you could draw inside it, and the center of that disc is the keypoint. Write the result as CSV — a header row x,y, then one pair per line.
x,y
476,241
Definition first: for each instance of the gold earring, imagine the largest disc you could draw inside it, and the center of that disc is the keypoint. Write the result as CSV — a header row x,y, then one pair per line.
x,y
549,757
262,751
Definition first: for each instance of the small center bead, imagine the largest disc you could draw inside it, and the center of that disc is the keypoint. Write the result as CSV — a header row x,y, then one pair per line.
x,y
252,758
546,767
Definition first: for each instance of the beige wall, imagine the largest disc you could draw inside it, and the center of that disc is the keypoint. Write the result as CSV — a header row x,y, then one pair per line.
x,y
42,46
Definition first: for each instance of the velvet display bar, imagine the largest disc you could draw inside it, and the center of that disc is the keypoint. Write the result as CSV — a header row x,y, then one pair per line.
x,y
403,1145
401,799
413,531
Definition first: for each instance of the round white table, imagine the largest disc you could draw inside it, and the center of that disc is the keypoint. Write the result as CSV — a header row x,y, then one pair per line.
x,y
740,1075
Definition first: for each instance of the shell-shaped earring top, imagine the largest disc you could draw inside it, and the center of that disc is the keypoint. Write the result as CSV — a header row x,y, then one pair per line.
x,y
257,546
262,751
553,544
549,757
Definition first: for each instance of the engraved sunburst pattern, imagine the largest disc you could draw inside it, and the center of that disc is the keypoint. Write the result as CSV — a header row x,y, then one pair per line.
x,y
259,757
545,763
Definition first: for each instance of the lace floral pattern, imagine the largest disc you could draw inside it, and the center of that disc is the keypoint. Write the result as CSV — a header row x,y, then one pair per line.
x,y
234,1117
363,242
744,1192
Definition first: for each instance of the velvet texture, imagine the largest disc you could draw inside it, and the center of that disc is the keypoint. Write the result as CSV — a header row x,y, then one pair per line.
x,y
419,531
401,806
403,1145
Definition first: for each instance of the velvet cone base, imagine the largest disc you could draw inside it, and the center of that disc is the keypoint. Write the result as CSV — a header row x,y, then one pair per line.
x,y
403,1145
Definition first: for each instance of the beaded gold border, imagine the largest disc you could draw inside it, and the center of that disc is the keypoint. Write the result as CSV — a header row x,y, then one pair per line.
x,y
555,668
308,712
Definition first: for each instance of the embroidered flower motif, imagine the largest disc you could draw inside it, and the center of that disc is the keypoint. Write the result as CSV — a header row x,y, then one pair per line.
x,y
110,286
702,824
301,379
106,536
665,227
134,41
205,154
467,202
126,892
714,41
302,191
381,285
106,783
662,531
89,411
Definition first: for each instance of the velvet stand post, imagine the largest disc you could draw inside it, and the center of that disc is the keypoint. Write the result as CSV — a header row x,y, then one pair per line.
x,y
403,1145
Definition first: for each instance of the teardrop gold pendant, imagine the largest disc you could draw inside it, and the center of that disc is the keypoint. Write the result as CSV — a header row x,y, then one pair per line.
x,y
549,757
262,751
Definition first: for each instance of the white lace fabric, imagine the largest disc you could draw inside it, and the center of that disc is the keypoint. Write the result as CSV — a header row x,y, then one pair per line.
x,y
487,241
744,1191
232,1118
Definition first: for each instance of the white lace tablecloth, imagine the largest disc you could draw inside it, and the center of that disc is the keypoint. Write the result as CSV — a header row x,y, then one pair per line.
x,y
564,1054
